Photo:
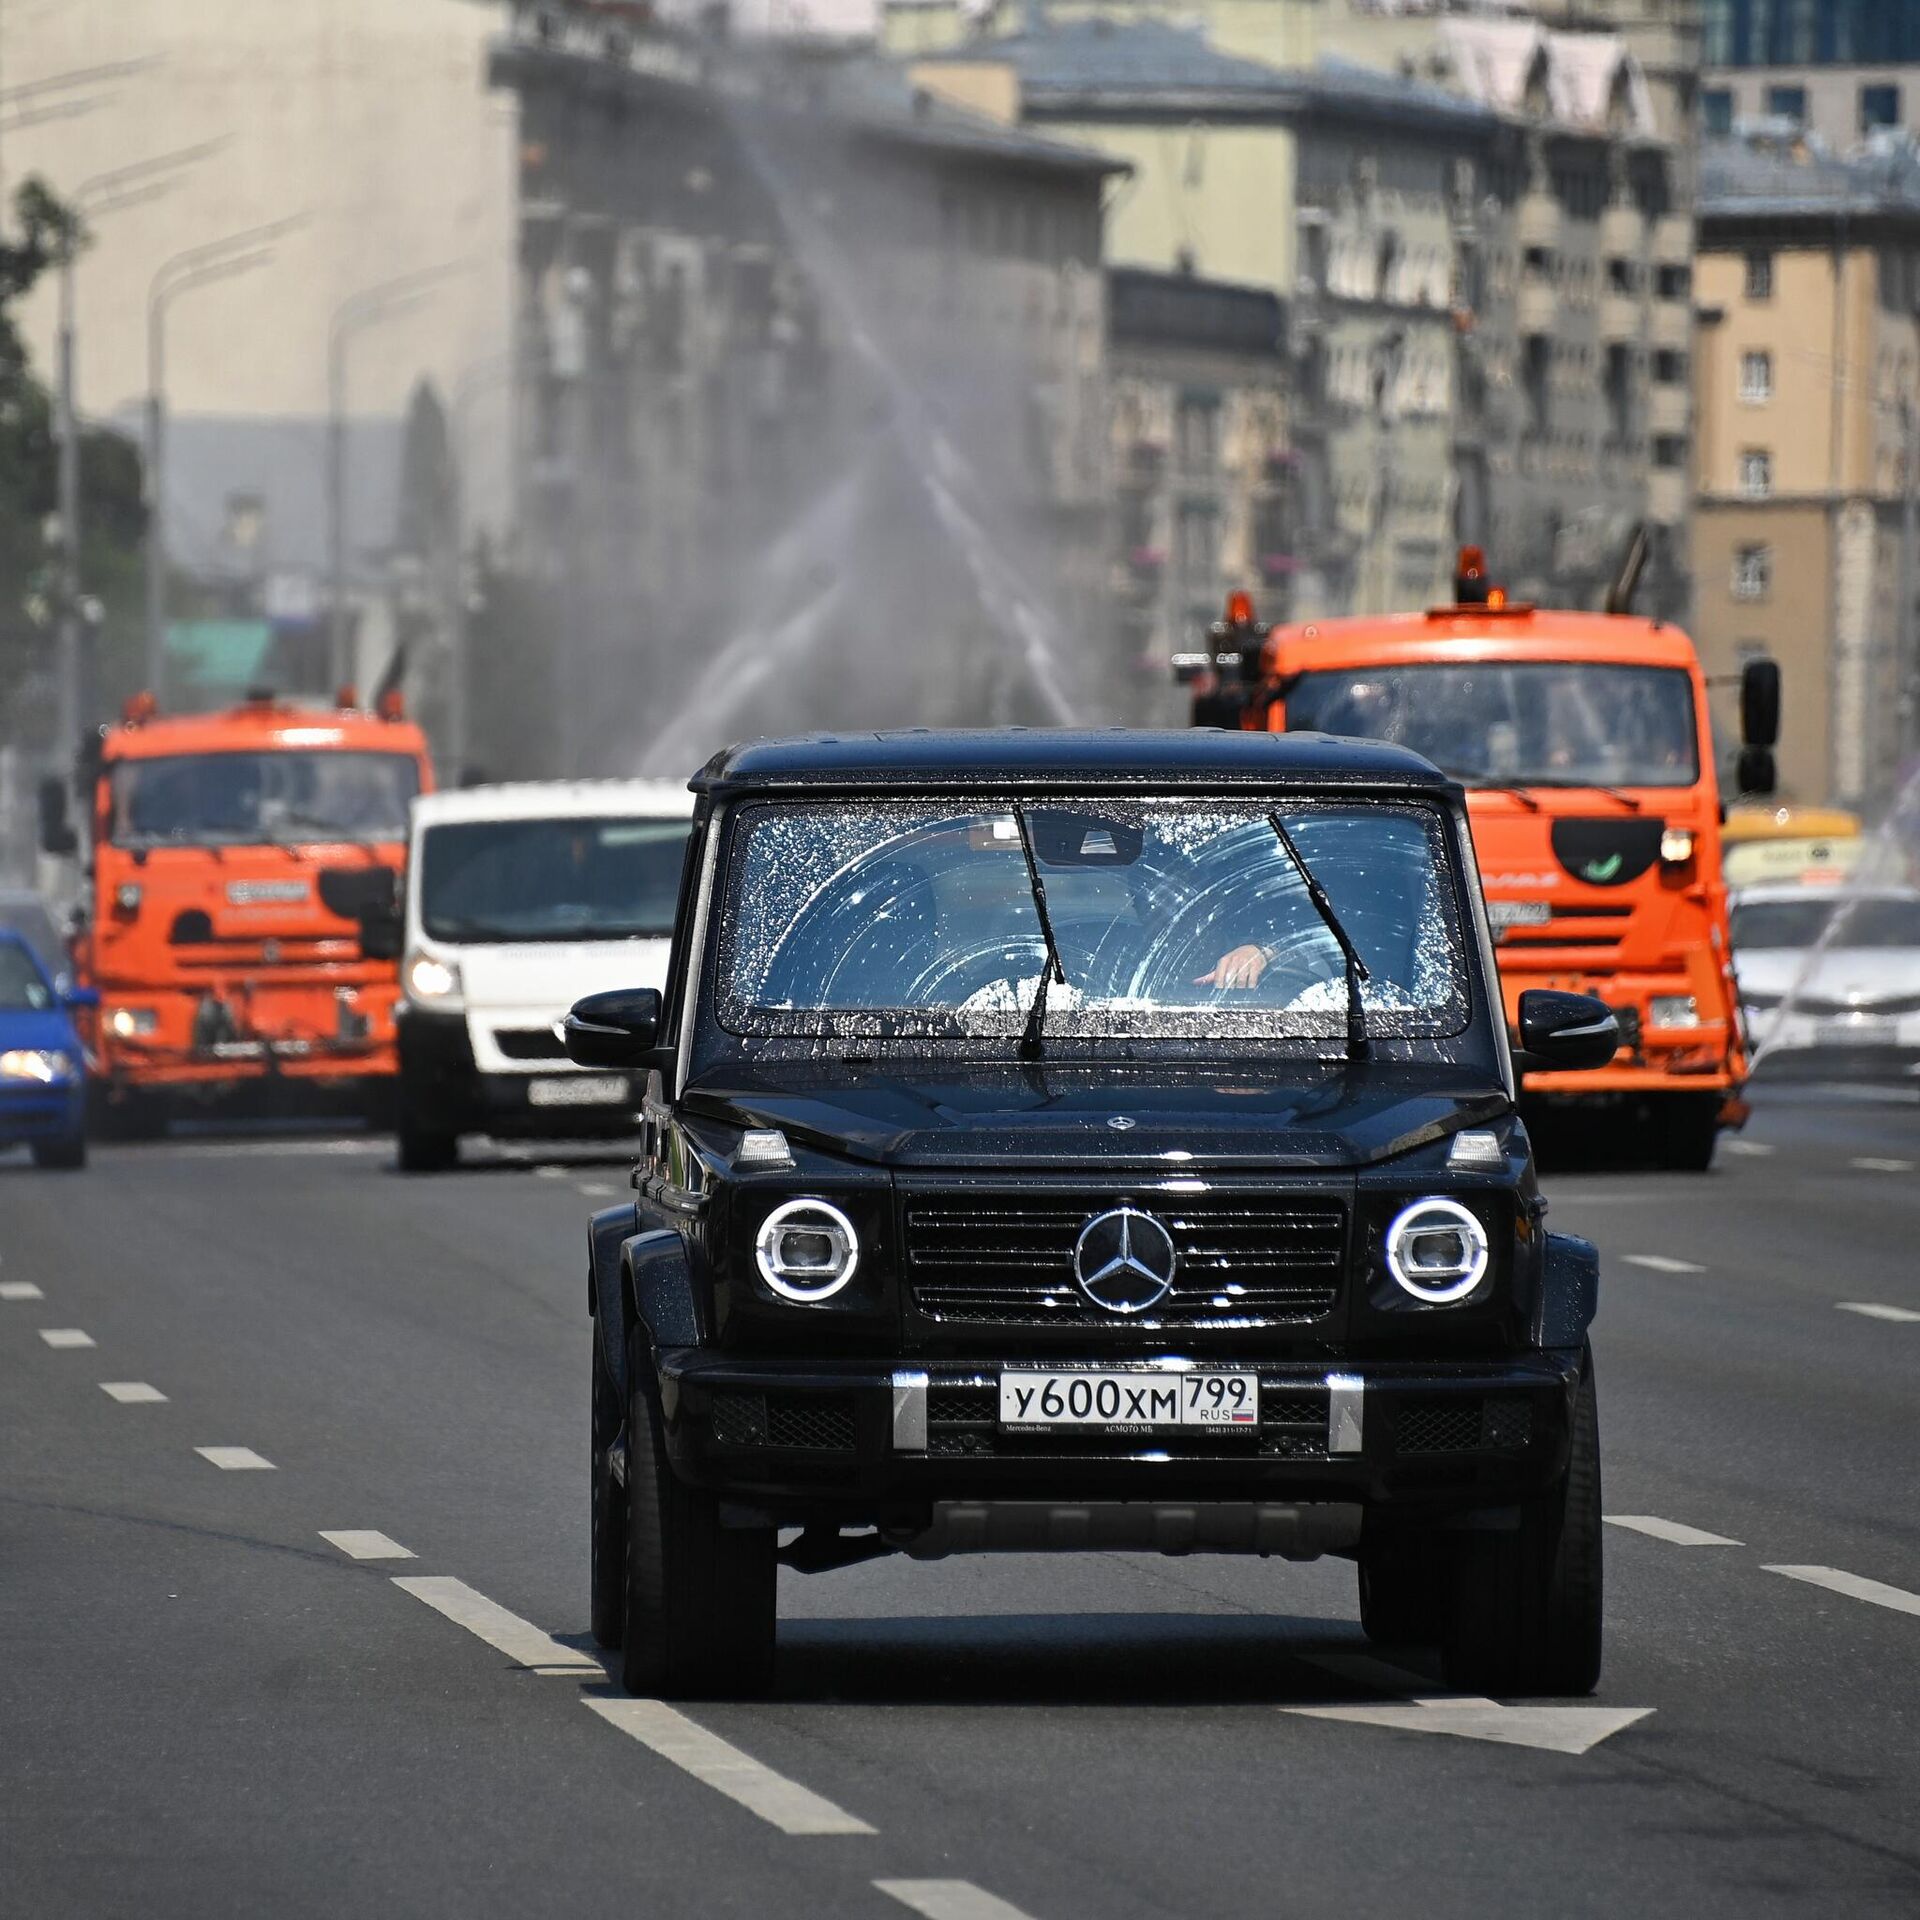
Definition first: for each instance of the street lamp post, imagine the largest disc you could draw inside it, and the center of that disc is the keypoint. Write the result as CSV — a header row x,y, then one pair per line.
x,y
354,314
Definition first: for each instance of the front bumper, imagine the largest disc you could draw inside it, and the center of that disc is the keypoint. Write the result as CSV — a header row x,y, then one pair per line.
x,y
30,1111
810,1443
441,1084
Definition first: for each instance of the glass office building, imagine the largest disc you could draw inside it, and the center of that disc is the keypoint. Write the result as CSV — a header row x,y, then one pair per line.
x,y
1807,33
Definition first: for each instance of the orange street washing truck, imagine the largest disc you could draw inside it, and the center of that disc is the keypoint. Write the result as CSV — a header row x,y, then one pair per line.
x,y
1584,743
235,856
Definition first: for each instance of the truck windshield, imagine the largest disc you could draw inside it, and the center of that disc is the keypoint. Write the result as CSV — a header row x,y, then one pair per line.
x,y
1174,918
1553,723
569,879
238,799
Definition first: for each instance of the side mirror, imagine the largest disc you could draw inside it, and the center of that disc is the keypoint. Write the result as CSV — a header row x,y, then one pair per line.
x,y
1755,773
80,999
57,836
1760,706
1564,1032
617,1029
382,931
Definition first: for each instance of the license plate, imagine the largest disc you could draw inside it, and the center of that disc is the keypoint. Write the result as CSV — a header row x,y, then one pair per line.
x,y
580,1090
1128,1402
1866,1030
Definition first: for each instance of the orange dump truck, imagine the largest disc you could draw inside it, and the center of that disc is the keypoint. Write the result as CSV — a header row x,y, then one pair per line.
x,y
1584,743
234,857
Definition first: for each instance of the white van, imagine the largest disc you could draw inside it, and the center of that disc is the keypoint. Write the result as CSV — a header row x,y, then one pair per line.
x,y
520,899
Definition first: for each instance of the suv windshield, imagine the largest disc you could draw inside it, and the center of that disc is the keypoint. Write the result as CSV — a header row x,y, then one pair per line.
x,y
1175,918
1508,723
237,799
568,879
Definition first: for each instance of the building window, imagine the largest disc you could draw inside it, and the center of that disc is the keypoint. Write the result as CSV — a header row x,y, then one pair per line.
x,y
1752,572
1879,107
1787,103
1756,378
1716,110
1673,283
1759,276
1669,367
1197,433
1196,543
1669,450
1756,473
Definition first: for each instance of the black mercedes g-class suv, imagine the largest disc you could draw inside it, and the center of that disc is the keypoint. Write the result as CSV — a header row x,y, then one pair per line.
x,y
1088,1140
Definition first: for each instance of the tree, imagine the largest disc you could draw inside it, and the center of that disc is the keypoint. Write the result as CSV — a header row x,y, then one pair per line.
x,y
425,526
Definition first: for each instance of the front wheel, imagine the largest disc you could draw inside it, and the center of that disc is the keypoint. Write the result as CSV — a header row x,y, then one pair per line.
x,y
424,1148
700,1597
1686,1128
68,1155
1526,1605
607,1528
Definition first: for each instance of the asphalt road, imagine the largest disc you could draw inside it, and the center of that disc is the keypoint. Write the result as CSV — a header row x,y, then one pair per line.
x,y
208,1707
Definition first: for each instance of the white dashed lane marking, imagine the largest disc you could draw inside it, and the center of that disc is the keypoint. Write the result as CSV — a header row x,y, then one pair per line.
x,y
550,1173
1661,1263
1854,1587
1869,1163
780,1802
1674,1531
596,1190
20,1290
131,1393
65,1337
236,1459
1752,1149
520,1640
1875,1311
949,1900
363,1543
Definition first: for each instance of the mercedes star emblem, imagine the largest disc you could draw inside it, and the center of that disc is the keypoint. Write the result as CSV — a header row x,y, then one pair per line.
x,y
1124,1260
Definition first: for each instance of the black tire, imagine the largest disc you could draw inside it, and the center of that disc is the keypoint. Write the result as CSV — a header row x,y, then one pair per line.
x,y
66,1156
1686,1130
424,1149
700,1599
1403,1592
607,1530
1526,1611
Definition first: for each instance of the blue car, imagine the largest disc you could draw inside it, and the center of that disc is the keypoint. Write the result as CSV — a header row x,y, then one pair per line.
x,y
43,1069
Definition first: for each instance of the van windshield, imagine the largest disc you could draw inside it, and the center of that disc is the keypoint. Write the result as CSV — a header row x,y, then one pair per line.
x,y
568,879
1181,918
1560,723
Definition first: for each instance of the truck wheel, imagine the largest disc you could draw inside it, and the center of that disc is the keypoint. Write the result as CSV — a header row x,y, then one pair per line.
x,y
1403,1592
424,1149
66,1155
1686,1129
700,1596
1526,1605
607,1531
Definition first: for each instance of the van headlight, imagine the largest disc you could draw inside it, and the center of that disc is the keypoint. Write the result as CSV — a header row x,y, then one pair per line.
x,y
806,1250
1436,1250
432,981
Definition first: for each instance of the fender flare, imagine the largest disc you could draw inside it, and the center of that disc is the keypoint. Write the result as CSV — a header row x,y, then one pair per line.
x,y
1569,1291
640,1283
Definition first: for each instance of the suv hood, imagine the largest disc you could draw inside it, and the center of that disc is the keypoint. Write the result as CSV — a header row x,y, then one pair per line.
x,y
1262,1114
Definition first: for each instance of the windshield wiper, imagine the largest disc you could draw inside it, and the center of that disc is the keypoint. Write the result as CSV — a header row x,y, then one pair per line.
x,y
1559,785
1358,1045
1030,1040
1479,777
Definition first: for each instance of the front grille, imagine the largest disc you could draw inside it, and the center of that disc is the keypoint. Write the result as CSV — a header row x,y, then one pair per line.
x,y
1248,1260
1463,1423
819,1422
963,1422
528,1043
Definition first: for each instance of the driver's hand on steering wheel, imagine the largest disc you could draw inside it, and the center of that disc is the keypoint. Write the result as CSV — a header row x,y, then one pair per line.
x,y
1239,969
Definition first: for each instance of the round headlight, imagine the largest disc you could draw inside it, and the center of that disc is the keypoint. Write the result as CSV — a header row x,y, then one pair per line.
x,y
807,1250
431,979
1437,1250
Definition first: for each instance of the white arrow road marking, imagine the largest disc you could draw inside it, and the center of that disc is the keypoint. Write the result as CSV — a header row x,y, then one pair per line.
x,y
236,1459
779,1801
520,1640
65,1337
20,1290
1467,1716
949,1900
1869,1163
131,1393
1661,1263
363,1543
1875,1311
1853,1586
1675,1531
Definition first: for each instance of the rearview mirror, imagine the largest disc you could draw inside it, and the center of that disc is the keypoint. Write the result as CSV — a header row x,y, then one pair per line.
x,y
1564,1032
80,999
1760,705
57,837
1755,773
382,931
616,1029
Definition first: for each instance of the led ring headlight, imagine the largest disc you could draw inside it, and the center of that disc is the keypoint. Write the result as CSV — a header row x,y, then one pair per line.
x,y
1437,1250
806,1250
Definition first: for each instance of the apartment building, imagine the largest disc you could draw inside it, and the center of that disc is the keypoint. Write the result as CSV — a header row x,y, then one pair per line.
x,y
1806,389
1842,70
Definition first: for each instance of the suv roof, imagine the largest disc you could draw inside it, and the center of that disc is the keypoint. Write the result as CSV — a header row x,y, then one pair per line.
x,y
1071,757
